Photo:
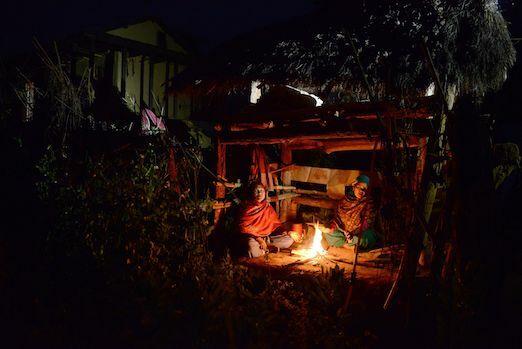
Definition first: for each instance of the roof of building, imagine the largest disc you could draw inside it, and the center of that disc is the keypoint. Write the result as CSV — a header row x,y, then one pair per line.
x,y
338,52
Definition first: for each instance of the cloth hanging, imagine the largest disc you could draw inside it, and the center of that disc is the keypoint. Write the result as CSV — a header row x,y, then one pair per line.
x,y
150,122
259,168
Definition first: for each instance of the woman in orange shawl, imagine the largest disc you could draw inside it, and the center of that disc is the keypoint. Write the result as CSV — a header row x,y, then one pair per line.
x,y
259,224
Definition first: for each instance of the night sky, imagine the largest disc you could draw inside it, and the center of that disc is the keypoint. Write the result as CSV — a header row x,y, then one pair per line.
x,y
208,22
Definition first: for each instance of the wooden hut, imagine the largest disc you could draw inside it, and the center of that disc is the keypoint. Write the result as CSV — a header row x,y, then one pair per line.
x,y
372,63
334,128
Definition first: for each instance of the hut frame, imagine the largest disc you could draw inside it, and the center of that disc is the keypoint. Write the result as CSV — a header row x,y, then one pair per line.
x,y
333,128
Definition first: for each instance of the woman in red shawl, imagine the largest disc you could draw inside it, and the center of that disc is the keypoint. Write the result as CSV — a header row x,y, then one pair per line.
x,y
259,224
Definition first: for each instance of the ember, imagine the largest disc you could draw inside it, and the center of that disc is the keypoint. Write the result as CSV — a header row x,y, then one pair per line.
x,y
316,248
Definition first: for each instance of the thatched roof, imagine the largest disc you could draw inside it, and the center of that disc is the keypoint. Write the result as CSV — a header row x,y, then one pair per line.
x,y
468,40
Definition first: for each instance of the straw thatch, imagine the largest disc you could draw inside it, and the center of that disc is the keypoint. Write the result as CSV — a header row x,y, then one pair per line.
x,y
468,40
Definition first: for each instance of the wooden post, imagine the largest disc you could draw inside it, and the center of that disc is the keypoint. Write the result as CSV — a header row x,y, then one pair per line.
x,y
292,209
151,82
174,98
142,80
124,58
221,173
286,176
165,94
108,69
421,160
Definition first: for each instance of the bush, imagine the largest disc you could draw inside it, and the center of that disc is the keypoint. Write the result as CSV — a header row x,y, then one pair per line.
x,y
122,214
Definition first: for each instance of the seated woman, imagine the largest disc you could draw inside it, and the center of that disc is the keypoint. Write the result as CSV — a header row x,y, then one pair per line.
x,y
354,218
259,225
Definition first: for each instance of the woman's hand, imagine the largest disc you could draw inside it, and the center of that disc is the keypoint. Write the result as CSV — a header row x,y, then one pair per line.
x,y
296,236
327,230
262,244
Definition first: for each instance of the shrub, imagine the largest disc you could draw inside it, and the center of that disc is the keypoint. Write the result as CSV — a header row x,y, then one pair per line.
x,y
149,241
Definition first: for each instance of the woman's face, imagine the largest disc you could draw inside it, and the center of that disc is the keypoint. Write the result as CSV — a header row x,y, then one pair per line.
x,y
359,190
259,193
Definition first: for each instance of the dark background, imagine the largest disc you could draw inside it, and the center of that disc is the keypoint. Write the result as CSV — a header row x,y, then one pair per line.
x,y
208,22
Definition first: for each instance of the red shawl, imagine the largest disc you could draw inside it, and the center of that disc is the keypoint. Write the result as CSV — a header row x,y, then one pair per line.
x,y
258,219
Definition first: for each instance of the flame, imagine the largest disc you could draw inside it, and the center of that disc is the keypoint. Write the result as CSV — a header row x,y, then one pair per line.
x,y
316,248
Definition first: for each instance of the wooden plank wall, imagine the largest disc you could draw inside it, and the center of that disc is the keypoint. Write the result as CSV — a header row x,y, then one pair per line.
x,y
335,180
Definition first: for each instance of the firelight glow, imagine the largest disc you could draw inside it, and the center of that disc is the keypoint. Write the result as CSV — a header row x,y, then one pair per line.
x,y
316,249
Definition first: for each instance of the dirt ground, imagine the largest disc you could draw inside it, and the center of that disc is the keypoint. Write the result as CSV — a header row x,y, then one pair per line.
x,y
375,273
376,267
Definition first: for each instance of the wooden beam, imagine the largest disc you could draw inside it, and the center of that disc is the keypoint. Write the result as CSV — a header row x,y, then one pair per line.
x,y
315,202
306,145
282,197
285,168
290,139
330,146
250,126
218,205
335,129
283,187
323,144
227,184
347,144
311,192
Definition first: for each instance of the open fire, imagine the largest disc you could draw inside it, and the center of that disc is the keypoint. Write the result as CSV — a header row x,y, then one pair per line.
x,y
316,249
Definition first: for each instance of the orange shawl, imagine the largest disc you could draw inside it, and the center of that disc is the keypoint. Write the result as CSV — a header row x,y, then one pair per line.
x,y
258,219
